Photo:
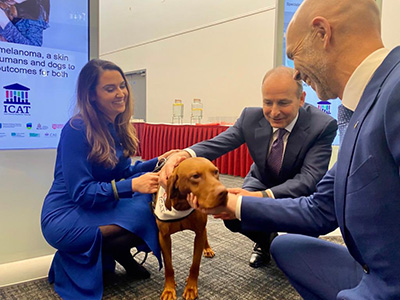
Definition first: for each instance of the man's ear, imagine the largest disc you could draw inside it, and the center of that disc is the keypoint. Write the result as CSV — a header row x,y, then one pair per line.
x,y
172,191
323,30
302,98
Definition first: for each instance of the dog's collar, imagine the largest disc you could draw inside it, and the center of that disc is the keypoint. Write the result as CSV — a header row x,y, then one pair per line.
x,y
165,215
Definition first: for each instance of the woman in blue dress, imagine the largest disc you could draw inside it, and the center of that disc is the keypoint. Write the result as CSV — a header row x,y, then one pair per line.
x,y
98,208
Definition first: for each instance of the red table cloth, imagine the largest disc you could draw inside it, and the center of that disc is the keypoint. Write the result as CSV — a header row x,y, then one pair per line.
x,y
155,139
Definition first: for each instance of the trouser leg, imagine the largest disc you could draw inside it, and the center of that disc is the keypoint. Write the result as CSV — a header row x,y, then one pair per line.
x,y
316,268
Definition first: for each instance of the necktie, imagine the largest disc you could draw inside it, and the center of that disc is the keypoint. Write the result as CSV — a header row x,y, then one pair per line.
x,y
344,116
274,160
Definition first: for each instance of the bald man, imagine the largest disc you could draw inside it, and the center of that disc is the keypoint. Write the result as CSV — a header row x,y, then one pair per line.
x,y
337,49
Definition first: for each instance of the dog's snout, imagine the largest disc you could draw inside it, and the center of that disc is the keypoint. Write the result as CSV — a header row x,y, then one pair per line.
x,y
221,194
213,196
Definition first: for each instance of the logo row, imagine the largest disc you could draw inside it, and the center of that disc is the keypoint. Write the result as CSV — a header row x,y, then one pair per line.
x,y
29,126
30,134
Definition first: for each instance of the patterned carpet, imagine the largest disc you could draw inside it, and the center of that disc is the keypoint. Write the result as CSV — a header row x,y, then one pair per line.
x,y
226,276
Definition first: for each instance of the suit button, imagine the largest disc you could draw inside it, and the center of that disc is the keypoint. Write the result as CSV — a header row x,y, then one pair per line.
x,y
366,269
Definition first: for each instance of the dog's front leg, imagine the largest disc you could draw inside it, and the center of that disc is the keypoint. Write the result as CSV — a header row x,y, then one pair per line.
x,y
207,252
190,291
169,292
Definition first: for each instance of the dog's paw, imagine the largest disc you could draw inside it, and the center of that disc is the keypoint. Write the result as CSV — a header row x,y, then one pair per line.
x,y
168,294
190,292
208,252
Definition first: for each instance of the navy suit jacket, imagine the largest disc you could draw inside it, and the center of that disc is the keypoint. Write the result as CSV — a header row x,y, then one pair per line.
x,y
360,194
306,157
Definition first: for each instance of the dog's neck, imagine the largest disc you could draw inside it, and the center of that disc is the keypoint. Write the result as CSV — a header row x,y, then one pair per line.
x,y
169,215
182,203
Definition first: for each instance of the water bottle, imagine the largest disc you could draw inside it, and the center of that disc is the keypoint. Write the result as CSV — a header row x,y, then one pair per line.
x,y
196,112
177,112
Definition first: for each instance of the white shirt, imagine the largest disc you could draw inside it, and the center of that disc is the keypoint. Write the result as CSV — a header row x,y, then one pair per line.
x,y
361,76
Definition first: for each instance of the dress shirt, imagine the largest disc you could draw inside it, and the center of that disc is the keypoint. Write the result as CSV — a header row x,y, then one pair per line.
x,y
361,76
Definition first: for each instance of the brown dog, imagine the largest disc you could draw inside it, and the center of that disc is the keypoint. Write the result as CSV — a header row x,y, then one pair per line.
x,y
199,176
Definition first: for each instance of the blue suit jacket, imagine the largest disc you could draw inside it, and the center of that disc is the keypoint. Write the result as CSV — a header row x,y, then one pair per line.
x,y
361,193
306,158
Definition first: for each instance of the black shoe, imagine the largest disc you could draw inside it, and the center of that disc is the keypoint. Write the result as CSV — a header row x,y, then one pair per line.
x,y
259,257
110,278
132,268
137,271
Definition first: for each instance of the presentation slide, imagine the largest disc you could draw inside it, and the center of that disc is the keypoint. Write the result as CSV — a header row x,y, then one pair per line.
x,y
331,106
43,46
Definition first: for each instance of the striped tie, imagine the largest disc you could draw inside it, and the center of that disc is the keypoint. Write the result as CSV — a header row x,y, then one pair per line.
x,y
274,160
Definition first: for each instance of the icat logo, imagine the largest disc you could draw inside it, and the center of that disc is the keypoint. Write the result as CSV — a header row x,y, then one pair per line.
x,y
16,100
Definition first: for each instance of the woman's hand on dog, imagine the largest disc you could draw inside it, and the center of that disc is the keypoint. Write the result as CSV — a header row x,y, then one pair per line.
x,y
146,183
224,212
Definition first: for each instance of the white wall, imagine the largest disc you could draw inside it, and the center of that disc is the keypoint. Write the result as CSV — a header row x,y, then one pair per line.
x,y
215,52
126,23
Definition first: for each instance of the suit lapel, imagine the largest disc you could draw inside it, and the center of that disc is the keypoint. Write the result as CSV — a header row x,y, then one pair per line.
x,y
369,97
295,141
262,136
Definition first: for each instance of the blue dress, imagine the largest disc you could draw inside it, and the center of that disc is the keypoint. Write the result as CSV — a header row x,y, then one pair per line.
x,y
80,200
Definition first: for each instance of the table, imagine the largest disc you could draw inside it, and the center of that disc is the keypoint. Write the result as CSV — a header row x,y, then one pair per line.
x,y
155,139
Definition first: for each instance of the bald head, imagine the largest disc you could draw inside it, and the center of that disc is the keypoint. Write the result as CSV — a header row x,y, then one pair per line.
x,y
282,72
352,23
328,39
345,15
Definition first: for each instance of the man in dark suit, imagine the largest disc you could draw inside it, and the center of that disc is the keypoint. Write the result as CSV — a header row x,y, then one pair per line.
x,y
337,48
306,148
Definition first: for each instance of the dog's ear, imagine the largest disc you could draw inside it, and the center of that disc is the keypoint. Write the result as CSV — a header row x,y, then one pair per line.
x,y
172,191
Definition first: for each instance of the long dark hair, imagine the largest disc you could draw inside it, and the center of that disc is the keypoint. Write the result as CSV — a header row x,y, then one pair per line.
x,y
97,133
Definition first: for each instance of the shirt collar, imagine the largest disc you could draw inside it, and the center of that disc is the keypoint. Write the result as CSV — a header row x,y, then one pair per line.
x,y
361,76
288,128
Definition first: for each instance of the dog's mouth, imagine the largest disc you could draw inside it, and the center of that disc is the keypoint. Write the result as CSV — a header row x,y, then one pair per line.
x,y
213,201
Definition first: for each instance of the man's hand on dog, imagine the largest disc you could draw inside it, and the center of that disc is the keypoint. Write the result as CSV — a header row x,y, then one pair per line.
x,y
224,212
239,191
173,160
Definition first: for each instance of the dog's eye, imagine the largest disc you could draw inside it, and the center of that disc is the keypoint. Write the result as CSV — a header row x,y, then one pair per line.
x,y
195,176
216,172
